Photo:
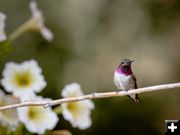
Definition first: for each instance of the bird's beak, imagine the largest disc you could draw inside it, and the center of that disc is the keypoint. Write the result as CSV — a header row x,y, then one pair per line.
x,y
132,61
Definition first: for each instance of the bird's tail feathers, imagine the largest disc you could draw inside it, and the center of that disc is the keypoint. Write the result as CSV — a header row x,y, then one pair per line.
x,y
135,98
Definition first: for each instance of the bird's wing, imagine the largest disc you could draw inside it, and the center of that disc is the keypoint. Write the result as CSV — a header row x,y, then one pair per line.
x,y
135,86
134,79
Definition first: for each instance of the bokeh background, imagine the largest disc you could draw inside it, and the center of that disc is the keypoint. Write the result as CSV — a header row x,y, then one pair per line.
x,y
90,39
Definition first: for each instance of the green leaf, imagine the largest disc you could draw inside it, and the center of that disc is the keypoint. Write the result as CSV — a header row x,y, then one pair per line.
x,y
5,48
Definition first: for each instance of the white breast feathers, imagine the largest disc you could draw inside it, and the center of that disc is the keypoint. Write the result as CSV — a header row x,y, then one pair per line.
x,y
123,82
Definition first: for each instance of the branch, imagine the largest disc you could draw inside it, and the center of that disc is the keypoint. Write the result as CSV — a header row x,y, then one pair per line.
x,y
93,96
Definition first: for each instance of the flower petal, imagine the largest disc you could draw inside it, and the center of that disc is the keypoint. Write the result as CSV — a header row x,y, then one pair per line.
x,y
47,34
72,90
2,26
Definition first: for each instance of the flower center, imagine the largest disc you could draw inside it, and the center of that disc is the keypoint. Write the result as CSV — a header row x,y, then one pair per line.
x,y
23,79
74,108
35,113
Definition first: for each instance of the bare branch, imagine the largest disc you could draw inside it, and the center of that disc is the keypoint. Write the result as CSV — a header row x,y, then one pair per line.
x,y
93,96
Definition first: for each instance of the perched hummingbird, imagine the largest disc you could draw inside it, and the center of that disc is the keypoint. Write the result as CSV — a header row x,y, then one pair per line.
x,y
124,79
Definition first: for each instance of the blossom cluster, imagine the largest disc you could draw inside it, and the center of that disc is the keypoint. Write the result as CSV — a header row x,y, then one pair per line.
x,y
22,82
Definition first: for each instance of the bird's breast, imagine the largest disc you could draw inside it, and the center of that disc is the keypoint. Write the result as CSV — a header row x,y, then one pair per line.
x,y
123,82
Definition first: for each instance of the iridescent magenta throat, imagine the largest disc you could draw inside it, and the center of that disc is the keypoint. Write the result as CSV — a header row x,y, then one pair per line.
x,y
126,71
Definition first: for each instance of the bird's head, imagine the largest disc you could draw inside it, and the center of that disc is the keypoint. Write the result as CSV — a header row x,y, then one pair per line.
x,y
126,62
125,66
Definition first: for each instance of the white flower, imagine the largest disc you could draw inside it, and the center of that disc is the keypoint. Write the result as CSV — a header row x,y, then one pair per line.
x,y
37,119
23,79
77,113
2,25
8,118
38,21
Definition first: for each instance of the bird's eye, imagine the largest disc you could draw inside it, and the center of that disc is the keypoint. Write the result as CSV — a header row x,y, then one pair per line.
x,y
122,62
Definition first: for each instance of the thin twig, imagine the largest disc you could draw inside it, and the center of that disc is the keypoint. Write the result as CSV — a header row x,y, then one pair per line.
x,y
93,96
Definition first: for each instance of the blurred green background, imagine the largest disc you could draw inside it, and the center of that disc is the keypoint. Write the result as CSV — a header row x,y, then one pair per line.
x,y
90,39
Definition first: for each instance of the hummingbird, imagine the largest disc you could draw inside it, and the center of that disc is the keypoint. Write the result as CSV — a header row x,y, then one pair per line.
x,y
124,78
